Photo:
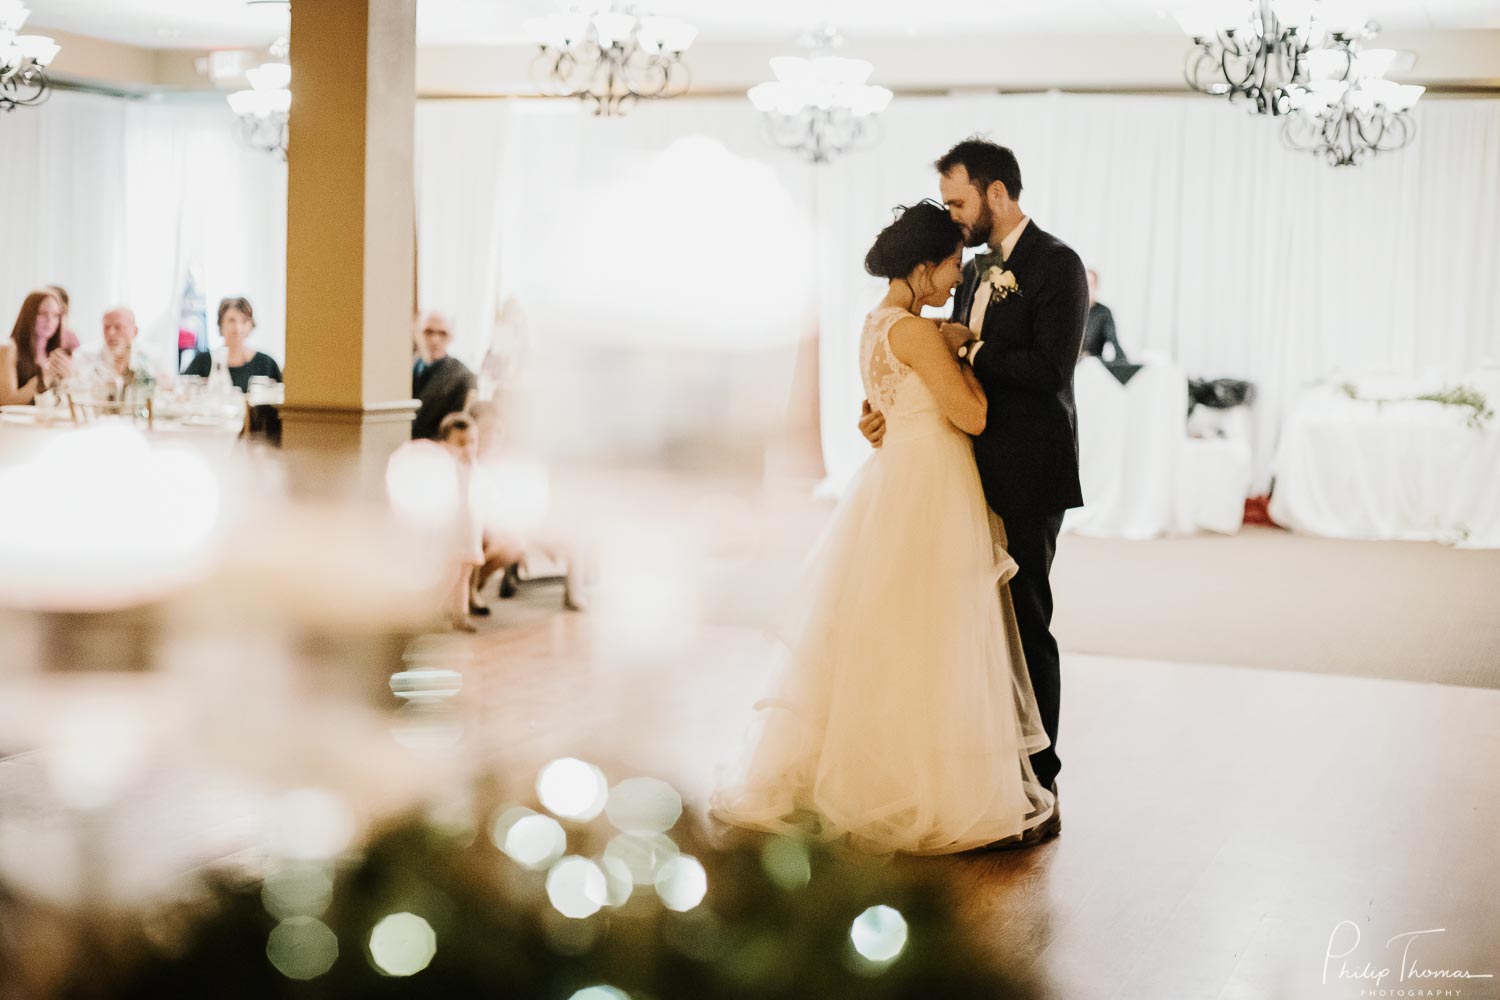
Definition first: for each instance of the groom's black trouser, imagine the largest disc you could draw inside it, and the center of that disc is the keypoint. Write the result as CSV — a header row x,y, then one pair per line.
x,y
1032,542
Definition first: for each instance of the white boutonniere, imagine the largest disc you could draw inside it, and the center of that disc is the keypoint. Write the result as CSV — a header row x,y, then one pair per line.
x,y
1002,283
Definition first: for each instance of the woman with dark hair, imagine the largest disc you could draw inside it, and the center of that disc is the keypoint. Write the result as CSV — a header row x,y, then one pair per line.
x,y
36,357
70,341
905,719
236,321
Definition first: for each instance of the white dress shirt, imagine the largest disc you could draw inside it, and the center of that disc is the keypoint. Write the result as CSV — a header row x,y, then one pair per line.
x,y
983,293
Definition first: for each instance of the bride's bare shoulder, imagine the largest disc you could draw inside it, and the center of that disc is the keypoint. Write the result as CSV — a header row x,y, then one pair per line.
x,y
911,334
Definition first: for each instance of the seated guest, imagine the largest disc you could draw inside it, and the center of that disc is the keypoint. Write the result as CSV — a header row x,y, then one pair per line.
x,y
441,383
106,371
1099,329
236,321
70,340
34,359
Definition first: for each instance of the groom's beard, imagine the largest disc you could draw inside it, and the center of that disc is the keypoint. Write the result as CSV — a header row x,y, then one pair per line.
x,y
979,232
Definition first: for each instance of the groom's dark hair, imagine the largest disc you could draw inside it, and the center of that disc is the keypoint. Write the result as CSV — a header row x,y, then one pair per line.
x,y
986,163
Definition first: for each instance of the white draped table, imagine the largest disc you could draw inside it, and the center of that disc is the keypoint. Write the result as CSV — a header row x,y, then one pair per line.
x,y
1409,471
1142,476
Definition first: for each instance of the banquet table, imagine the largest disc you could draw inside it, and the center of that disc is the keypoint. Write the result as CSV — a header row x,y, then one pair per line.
x,y
1407,471
1142,476
211,431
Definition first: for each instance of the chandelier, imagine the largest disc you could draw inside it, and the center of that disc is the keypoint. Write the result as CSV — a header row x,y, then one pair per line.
x,y
265,108
820,106
1257,50
1348,111
23,59
610,55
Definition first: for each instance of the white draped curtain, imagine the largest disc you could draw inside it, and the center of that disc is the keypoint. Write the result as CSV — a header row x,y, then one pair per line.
x,y
679,234
62,175
1215,245
662,264
115,199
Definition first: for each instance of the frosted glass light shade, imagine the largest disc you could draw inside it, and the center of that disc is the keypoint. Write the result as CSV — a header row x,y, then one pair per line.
x,y
1374,63
1406,95
270,76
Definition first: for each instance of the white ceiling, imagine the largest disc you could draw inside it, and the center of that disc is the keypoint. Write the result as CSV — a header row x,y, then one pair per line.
x,y
232,23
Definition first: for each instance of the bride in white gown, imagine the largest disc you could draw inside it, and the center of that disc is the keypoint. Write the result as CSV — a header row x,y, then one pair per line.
x,y
904,717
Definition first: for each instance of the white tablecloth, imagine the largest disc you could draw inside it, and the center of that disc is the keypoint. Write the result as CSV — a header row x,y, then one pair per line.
x,y
1411,471
19,437
1142,475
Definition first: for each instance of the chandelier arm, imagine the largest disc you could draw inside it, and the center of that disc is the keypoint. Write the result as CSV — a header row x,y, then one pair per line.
x,y
820,133
1408,123
679,78
1193,69
13,89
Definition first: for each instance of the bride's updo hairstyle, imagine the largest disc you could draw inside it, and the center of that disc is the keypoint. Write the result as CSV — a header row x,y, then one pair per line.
x,y
921,234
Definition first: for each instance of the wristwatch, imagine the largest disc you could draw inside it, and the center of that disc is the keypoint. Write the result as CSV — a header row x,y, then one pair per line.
x,y
969,348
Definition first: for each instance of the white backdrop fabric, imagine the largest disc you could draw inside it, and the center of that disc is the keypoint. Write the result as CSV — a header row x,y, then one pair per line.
x,y
680,229
1216,246
114,200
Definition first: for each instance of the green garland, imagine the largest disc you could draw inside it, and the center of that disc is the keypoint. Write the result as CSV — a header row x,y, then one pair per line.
x,y
775,923
1461,395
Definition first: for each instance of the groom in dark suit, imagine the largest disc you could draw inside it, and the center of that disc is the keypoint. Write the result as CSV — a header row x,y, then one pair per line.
x,y
1024,304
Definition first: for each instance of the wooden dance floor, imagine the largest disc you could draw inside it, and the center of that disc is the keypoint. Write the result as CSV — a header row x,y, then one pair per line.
x,y
1225,829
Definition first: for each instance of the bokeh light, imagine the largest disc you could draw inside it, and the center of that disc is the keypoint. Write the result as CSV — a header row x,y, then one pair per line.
x,y
577,887
167,494
619,882
402,944
302,948
682,883
600,993
425,684
511,494
298,890
572,789
786,862
422,483
504,820
643,857
312,824
535,841
879,934
644,806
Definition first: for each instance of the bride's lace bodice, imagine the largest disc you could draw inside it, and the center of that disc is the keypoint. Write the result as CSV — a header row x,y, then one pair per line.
x,y
892,387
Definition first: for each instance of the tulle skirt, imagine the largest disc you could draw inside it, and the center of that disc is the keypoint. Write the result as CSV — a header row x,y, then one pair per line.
x,y
904,716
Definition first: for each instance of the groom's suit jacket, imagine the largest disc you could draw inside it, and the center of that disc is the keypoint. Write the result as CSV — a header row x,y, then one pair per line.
x,y
1028,452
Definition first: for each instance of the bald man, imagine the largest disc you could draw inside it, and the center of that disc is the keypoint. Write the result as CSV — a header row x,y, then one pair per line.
x,y
104,370
442,383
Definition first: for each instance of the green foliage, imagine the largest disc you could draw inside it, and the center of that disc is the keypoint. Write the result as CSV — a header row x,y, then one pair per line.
x,y
775,924
1460,395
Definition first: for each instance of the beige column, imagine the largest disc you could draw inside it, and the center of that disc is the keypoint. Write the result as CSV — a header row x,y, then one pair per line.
x,y
349,255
